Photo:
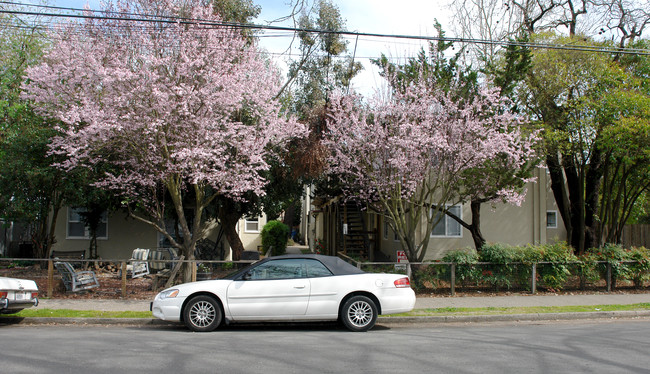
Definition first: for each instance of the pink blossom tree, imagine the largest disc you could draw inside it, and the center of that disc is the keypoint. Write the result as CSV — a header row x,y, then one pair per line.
x,y
408,151
185,110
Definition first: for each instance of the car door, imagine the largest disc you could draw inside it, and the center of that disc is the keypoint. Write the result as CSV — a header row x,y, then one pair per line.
x,y
276,289
325,290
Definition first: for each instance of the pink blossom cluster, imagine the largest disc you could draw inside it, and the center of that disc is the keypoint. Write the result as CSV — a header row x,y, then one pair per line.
x,y
185,100
417,143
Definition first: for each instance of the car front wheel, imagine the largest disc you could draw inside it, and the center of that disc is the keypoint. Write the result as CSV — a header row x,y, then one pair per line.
x,y
202,314
359,313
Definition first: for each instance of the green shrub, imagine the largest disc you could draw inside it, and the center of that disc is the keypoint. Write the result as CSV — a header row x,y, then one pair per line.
x,y
613,254
275,234
504,272
424,276
555,274
466,269
587,268
514,265
374,268
498,253
639,271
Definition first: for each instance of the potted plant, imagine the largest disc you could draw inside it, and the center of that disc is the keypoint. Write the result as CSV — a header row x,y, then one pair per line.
x,y
203,272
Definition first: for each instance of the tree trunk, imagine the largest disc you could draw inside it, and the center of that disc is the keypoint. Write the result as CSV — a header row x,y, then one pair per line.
x,y
51,238
186,270
558,184
593,178
576,186
92,246
475,227
229,219
289,215
40,234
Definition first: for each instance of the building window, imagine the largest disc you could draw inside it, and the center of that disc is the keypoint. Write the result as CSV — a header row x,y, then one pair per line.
x,y
77,229
252,224
551,219
388,229
173,228
448,227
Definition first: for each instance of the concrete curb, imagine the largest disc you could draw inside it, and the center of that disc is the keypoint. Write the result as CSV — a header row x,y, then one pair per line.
x,y
529,317
83,321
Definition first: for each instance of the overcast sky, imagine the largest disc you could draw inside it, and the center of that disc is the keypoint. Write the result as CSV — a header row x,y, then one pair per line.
x,y
398,17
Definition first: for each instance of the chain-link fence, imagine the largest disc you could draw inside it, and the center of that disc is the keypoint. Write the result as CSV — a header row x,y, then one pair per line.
x,y
449,278
121,278
117,278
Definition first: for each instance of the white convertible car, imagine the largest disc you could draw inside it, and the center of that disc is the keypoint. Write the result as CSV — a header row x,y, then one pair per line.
x,y
288,288
17,294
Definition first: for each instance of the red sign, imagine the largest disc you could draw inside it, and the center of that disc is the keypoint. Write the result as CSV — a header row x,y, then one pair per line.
x,y
401,256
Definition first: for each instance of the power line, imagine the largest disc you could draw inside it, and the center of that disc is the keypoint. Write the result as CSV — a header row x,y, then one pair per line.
x,y
135,17
263,52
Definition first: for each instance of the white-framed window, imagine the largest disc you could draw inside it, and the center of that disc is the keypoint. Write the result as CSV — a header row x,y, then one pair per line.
x,y
77,229
387,230
252,224
448,227
551,219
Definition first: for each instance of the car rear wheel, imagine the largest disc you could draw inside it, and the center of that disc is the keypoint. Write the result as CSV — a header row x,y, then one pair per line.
x,y
359,313
202,314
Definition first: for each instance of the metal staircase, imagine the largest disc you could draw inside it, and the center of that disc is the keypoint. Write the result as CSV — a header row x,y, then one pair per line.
x,y
355,242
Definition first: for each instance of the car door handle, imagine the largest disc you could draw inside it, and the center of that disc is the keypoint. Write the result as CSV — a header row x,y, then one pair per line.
x,y
300,286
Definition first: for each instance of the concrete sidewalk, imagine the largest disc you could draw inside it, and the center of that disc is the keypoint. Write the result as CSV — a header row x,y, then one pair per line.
x,y
516,300
524,300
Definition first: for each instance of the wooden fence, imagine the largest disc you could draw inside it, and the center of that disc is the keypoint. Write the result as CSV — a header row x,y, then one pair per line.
x,y
636,236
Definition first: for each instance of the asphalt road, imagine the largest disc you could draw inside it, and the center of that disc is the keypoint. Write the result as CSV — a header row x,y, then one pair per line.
x,y
619,346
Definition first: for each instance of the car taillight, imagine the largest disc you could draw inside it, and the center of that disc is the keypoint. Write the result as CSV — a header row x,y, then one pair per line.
x,y
34,295
3,294
402,283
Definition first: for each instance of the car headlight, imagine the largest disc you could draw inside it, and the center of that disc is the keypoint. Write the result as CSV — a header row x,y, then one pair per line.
x,y
168,294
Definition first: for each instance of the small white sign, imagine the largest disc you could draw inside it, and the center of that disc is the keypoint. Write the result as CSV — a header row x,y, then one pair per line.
x,y
345,229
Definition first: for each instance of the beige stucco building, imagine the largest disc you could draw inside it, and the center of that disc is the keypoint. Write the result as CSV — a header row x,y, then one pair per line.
x,y
119,235
536,221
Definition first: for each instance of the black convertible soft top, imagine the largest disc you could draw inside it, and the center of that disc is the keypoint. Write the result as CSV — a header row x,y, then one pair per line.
x,y
336,265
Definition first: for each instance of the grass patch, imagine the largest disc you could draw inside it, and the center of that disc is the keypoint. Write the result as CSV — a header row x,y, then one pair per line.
x,y
70,313
523,310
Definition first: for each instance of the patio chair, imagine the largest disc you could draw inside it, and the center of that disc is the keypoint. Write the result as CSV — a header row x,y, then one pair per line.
x,y
76,281
157,260
165,253
138,265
